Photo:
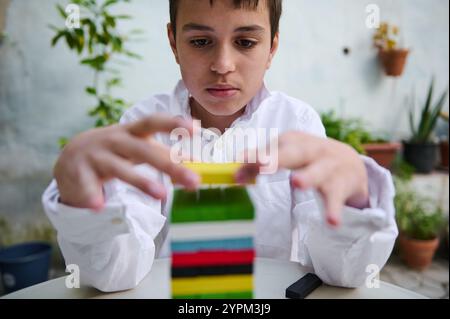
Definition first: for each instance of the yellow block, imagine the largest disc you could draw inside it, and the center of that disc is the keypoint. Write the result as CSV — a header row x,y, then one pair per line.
x,y
215,173
211,284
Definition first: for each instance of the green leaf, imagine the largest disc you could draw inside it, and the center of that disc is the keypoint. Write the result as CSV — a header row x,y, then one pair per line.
x,y
69,40
429,116
434,115
91,91
412,125
61,11
136,32
412,116
108,3
79,33
426,109
116,44
123,17
113,82
110,21
52,27
62,142
96,63
133,55
57,37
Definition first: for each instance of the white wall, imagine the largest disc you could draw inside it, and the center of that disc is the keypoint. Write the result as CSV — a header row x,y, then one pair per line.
x,y
311,65
42,89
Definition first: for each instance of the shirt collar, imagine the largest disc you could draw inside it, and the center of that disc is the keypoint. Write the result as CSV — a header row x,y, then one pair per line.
x,y
179,105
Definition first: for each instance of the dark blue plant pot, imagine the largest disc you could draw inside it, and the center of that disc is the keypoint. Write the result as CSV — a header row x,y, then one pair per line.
x,y
24,265
423,157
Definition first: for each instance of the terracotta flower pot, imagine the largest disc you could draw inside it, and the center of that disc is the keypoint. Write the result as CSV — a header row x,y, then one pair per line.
x,y
393,61
417,254
383,153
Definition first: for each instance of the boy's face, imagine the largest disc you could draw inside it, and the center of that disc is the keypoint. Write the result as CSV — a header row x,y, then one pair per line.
x,y
223,52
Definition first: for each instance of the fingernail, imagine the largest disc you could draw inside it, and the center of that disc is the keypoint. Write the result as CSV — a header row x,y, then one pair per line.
x,y
333,220
97,204
296,181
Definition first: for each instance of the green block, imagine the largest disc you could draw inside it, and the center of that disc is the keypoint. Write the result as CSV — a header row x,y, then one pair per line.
x,y
228,295
212,205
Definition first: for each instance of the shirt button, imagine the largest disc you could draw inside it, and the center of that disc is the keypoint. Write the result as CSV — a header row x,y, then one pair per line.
x,y
116,221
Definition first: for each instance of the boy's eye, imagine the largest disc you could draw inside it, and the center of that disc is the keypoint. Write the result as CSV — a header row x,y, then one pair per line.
x,y
200,43
246,44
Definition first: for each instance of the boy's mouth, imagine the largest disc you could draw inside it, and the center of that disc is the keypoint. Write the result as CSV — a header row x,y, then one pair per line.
x,y
222,91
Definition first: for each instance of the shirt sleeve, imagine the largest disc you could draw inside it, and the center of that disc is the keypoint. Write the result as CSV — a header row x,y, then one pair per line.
x,y
115,248
342,256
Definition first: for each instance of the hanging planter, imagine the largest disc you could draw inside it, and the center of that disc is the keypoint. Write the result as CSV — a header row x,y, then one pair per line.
x,y
393,61
392,58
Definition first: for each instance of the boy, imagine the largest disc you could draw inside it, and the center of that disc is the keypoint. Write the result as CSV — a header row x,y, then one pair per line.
x,y
109,226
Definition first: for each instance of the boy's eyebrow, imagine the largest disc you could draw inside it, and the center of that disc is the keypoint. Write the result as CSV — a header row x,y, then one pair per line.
x,y
250,28
196,27
200,27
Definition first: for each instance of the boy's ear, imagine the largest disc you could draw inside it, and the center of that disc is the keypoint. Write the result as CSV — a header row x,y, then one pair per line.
x,y
172,41
273,49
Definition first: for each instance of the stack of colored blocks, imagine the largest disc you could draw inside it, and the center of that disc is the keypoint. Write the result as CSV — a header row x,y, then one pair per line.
x,y
212,233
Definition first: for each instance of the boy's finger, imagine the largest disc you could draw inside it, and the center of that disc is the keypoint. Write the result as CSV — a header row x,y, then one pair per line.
x,y
91,189
333,195
312,176
296,150
255,164
140,152
247,173
158,123
158,156
113,166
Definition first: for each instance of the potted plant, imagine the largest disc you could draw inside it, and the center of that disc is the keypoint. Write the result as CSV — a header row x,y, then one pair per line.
x,y
421,150
352,132
99,43
420,224
382,151
391,57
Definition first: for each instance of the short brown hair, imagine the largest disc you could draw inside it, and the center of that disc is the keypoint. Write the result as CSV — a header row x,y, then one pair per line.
x,y
275,10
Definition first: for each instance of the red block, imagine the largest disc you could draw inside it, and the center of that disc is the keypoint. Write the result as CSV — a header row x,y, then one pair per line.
x,y
212,258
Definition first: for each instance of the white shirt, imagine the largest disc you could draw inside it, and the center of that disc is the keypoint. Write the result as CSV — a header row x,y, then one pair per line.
x,y
115,249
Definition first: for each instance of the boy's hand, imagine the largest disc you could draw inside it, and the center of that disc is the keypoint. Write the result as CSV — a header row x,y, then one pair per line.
x,y
331,167
96,156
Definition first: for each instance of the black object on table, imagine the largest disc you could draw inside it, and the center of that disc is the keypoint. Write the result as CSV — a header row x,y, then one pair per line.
x,y
303,287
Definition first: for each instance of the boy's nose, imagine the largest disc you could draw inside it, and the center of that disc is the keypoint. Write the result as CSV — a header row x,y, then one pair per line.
x,y
223,61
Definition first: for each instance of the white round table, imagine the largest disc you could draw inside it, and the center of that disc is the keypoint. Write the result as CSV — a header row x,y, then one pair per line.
x,y
272,277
